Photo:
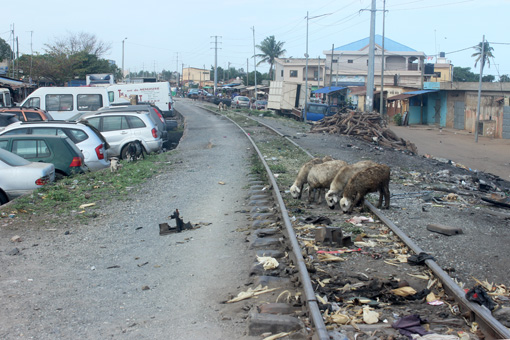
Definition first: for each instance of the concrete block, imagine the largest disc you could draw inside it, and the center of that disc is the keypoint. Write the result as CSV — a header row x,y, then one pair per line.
x,y
277,308
256,182
259,202
328,234
260,209
265,242
261,223
264,216
260,197
272,282
266,232
271,252
262,323
256,187
444,229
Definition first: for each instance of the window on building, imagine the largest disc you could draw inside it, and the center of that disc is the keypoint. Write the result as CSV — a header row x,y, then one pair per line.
x,y
293,73
335,60
437,74
350,61
282,73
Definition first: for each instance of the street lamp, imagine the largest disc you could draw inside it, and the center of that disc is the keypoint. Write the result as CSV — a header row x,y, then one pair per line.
x,y
123,58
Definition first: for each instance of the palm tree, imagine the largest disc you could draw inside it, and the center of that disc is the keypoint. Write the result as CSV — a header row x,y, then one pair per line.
x,y
270,51
487,53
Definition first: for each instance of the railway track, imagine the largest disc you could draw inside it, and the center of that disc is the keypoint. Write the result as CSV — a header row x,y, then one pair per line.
x,y
355,277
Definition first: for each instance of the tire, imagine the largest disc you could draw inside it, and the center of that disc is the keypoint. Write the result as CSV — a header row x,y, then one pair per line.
x,y
123,152
3,198
59,176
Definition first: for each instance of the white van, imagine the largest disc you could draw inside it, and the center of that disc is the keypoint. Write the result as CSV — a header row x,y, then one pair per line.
x,y
5,98
64,102
158,93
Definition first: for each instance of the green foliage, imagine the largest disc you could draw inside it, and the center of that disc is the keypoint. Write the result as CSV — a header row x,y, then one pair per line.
x,y
504,78
397,119
270,51
487,53
5,50
464,74
65,197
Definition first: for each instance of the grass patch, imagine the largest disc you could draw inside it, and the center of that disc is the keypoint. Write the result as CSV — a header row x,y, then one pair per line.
x,y
65,197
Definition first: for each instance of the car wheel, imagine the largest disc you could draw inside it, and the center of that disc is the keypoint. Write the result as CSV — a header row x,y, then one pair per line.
x,y
3,198
59,176
123,153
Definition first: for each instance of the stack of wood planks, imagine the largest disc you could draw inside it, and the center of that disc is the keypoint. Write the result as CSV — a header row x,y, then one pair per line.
x,y
369,126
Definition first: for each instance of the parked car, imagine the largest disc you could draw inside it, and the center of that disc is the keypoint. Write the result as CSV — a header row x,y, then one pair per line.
x,y
19,176
58,150
241,101
64,102
225,101
122,128
192,93
146,108
316,112
87,138
7,119
261,104
28,114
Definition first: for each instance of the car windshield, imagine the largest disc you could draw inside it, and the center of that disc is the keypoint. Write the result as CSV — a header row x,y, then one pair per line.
x,y
12,159
318,109
244,99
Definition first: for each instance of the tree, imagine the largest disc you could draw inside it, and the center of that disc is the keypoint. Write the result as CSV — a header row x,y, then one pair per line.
x,y
69,58
487,53
504,78
5,50
270,51
464,74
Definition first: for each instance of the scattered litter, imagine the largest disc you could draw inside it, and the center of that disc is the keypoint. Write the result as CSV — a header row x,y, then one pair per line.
x,y
419,259
370,316
325,257
358,220
221,183
143,264
145,287
404,291
86,205
112,267
16,238
278,336
479,295
251,293
409,325
268,262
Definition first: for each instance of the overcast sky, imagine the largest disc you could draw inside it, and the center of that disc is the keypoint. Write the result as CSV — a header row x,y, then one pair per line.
x,y
164,34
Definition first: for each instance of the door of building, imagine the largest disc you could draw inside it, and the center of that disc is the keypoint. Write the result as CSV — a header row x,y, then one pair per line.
x,y
458,115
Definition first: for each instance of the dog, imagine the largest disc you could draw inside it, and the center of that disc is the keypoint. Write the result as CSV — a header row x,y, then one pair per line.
x,y
114,164
135,151
220,106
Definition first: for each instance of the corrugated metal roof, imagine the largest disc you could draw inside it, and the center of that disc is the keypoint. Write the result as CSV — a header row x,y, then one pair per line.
x,y
389,45
410,94
329,89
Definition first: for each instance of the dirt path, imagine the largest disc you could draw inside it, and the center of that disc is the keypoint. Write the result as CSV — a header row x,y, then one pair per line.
x,y
117,278
488,155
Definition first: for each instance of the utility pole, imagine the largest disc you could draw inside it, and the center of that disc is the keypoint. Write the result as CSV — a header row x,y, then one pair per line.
x,y
254,62
177,68
247,72
17,58
182,75
369,104
482,62
319,74
215,62
381,106
31,55
228,71
123,58
331,65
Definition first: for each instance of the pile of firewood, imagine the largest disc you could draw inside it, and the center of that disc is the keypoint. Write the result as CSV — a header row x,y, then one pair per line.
x,y
369,126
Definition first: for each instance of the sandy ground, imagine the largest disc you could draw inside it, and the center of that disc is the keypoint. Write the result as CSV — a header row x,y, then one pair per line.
x,y
488,155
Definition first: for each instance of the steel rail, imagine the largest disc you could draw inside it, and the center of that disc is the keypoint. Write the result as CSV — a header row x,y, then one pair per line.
x,y
312,304
491,327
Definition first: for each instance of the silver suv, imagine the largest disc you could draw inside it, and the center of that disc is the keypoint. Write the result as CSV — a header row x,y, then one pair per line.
x,y
87,138
122,128
240,101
